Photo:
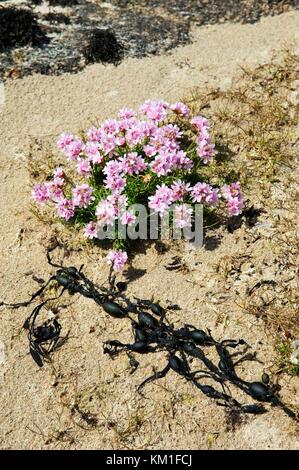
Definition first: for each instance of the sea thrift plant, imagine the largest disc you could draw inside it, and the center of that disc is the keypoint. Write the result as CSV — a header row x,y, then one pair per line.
x,y
154,157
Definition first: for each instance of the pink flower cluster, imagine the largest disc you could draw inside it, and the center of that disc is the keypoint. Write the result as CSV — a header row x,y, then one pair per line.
x,y
160,141
117,259
183,215
164,196
53,191
232,194
152,147
204,193
205,148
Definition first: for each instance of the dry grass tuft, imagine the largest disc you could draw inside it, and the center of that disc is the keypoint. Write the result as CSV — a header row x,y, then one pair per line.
x,y
255,119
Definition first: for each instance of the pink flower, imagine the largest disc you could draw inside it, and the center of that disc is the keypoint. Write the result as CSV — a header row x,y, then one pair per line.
x,y
206,150
94,134
120,141
112,168
199,192
70,145
49,191
40,193
162,139
55,192
73,150
105,212
128,218
154,110
181,109
90,230
232,193
83,167
150,150
126,123
132,163
65,208
171,132
58,176
126,113
65,140
119,201
161,165
135,134
161,200
115,183
181,161
93,154
203,134
117,259
204,193
108,144
235,206
183,216
212,197
231,190
82,195
179,190
199,122
110,126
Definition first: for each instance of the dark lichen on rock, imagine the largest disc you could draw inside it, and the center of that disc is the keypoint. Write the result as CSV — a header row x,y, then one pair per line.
x,y
19,27
57,36
101,45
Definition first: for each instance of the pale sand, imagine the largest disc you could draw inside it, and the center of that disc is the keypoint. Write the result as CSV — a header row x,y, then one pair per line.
x,y
32,414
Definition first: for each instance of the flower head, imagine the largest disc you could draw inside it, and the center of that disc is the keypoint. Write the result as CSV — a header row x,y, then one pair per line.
x,y
117,259
83,167
179,190
93,153
232,193
126,113
235,206
161,200
82,195
205,194
106,212
40,193
155,110
116,184
231,190
65,208
119,201
58,176
180,108
206,150
183,215
65,140
132,163
112,168
94,134
128,218
199,122
73,149
90,230
55,192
